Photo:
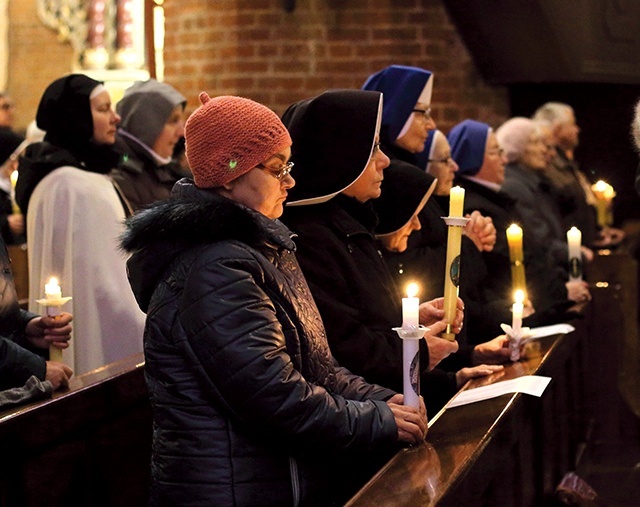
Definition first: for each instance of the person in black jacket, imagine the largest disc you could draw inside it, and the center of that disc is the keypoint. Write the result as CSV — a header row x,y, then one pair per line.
x,y
22,333
250,408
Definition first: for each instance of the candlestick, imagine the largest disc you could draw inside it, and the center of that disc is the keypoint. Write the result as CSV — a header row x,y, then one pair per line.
x,y
574,239
517,311
516,256
14,182
452,267
52,302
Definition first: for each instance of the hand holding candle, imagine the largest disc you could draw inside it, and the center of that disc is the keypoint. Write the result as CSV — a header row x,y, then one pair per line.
x,y
52,303
574,240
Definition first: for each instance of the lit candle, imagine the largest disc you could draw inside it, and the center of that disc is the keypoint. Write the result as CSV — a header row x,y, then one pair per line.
x,y
452,266
574,239
411,347
603,193
516,256
14,182
410,307
517,310
456,202
53,295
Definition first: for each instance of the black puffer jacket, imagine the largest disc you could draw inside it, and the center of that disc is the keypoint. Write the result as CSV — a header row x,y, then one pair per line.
x,y
17,363
249,406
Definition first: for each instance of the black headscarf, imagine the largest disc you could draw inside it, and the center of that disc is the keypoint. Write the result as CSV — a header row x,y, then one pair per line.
x,y
333,138
404,188
64,113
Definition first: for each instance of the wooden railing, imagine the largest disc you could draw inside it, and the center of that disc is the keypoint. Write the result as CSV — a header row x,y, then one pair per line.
x,y
515,449
89,445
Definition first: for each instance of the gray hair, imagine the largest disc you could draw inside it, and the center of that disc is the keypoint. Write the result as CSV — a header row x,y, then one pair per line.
x,y
553,113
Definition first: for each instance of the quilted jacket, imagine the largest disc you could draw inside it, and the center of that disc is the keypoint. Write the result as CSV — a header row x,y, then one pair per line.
x,y
250,408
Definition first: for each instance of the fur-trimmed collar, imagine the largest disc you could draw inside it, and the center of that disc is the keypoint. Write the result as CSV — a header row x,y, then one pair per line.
x,y
191,218
195,216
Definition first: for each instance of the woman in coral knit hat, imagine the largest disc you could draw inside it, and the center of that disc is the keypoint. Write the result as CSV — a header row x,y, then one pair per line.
x,y
249,407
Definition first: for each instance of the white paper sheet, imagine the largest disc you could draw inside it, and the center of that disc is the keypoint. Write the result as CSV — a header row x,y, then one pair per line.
x,y
529,384
539,332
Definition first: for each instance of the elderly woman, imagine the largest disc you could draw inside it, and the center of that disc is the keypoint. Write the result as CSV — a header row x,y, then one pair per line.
x,y
74,218
151,125
481,172
250,408
405,191
525,152
341,168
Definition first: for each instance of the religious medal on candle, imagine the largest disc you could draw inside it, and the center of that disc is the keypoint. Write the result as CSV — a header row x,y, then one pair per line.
x,y
52,302
516,256
455,222
574,239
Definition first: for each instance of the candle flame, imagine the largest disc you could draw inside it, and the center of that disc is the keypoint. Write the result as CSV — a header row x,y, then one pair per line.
x,y
600,186
14,178
518,296
514,228
412,289
53,281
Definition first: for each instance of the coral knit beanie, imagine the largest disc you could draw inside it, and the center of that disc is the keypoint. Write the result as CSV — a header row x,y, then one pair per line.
x,y
228,136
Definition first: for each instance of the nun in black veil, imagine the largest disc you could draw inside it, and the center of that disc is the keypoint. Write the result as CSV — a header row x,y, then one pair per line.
x,y
340,169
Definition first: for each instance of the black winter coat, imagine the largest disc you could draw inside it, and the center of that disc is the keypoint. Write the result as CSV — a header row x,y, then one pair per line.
x,y
249,407
357,297
17,363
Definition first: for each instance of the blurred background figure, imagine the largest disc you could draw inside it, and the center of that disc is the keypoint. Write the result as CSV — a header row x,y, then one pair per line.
x,y
151,126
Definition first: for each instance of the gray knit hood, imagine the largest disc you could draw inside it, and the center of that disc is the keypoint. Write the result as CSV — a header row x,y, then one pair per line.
x,y
146,107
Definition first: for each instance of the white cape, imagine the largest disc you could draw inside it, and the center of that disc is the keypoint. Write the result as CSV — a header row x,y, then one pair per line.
x,y
74,220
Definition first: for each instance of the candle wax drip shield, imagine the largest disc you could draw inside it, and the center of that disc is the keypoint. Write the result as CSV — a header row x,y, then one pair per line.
x,y
456,221
53,302
411,333
517,340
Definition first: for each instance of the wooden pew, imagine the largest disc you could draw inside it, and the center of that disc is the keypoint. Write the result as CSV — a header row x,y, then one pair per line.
x,y
515,449
89,445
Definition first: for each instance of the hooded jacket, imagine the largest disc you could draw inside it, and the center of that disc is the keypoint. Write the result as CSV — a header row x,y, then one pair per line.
x,y
249,407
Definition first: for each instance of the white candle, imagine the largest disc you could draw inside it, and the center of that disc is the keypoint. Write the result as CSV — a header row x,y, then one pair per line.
x,y
517,310
411,308
574,239
456,202
411,348
52,289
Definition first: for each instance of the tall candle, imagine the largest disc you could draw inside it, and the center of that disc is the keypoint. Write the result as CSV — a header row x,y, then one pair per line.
x,y
411,347
52,292
452,266
517,310
516,256
574,239
602,203
456,202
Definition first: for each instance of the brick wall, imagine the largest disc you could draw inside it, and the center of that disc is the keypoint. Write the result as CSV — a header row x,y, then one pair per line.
x,y
256,49
36,57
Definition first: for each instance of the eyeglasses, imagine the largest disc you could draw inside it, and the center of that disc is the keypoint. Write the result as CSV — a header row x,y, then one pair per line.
x,y
279,173
425,114
376,149
499,151
446,160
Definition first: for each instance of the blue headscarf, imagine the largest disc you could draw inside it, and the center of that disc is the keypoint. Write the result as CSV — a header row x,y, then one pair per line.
x,y
401,87
468,141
